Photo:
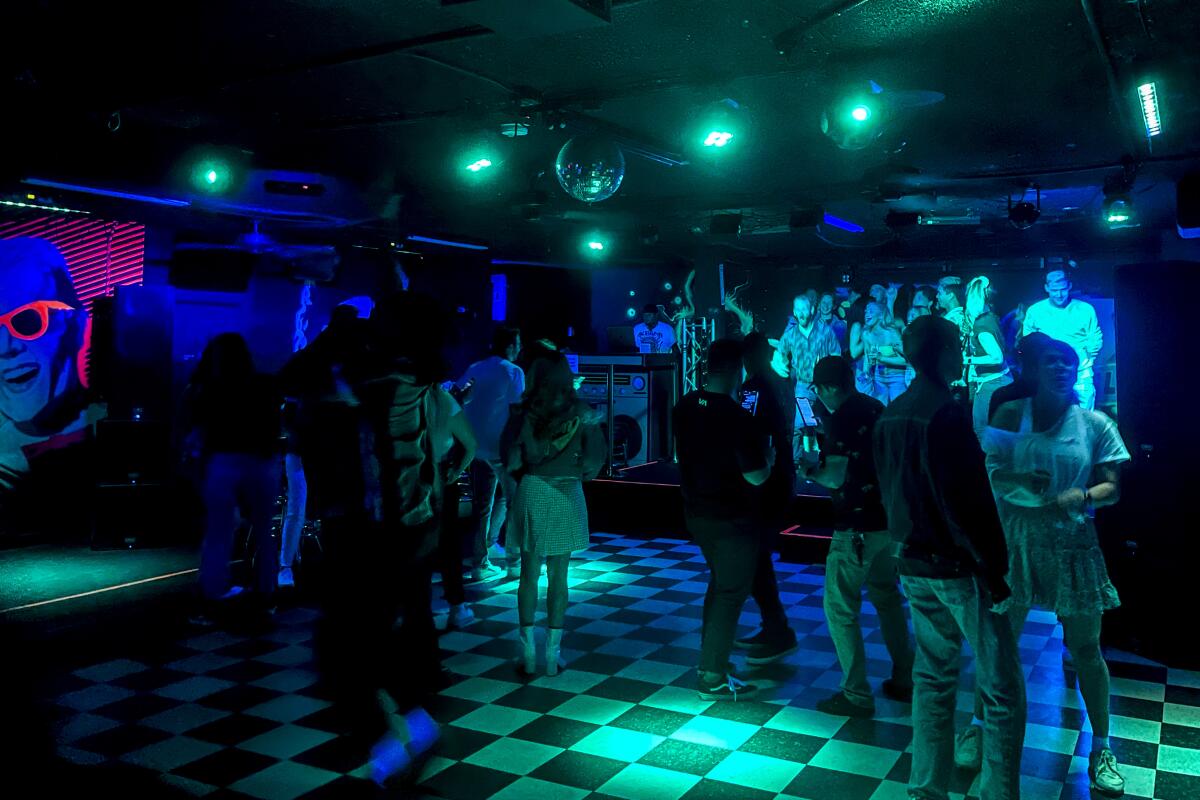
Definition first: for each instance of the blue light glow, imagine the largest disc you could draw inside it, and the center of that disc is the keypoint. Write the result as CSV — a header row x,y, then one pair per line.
x,y
139,198
845,225
499,298
446,243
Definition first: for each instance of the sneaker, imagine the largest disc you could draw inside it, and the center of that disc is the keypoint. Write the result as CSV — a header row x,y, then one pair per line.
x,y
750,642
839,705
389,758
1102,769
968,748
234,591
897,691
730,688
461,615
286,579
486,572
768,652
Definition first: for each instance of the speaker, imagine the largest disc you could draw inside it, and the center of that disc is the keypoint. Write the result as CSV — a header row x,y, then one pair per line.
x,y
1187,206
1150,555
211,269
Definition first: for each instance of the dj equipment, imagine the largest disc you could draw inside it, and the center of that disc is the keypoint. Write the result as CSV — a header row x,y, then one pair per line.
x,y
643,394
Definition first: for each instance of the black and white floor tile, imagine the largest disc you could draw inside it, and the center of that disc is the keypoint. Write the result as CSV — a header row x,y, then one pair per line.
x,y
223,715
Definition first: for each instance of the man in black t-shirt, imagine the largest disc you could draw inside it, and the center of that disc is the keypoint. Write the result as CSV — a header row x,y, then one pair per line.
x,y
722,458
862,553
763,394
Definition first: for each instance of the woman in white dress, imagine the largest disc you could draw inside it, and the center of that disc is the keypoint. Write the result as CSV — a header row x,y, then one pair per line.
x,y
1051,463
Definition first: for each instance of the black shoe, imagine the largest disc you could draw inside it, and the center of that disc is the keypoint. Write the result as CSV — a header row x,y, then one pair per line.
x,y
897,691
729,688
840,706
750,642
769,651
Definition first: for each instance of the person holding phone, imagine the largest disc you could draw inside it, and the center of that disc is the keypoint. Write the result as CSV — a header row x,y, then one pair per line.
x,y
862,554
802,345
1051,464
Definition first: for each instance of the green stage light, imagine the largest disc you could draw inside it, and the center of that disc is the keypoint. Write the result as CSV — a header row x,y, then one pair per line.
x,y
860,113
595,245
717,138
477,165
212,176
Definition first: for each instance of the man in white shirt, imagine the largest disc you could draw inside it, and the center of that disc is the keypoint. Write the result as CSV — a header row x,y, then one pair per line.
x,y
496,383
1073,321
652,335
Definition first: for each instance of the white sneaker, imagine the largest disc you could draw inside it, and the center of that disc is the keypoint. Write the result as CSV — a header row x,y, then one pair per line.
x,y
1102,769
485,573
461,615
286,578
968,748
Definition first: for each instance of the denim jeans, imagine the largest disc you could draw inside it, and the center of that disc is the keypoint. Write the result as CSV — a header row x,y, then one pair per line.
x,y
888,383
799,424
293,518
765,589
491,510
944,612
983,400
235,481
731,551
857,560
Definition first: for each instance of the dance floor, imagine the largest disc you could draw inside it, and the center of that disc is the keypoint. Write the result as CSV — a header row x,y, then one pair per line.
x,y
226,715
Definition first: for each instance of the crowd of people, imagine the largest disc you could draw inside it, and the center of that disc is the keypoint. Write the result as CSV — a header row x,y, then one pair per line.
x,y
974,512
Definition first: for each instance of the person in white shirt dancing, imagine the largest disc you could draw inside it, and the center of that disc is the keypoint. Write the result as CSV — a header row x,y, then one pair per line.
x,y
1073,321
652,335
496,384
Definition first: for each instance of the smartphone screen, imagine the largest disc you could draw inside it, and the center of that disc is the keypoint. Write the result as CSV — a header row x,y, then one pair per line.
x,y
804,406
750,401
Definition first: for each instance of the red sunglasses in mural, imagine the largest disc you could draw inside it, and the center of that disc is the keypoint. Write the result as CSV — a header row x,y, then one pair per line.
x,y
31,321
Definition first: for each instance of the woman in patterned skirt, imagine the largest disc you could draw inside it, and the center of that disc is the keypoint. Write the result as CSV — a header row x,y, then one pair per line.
x,y
551,444
1051,462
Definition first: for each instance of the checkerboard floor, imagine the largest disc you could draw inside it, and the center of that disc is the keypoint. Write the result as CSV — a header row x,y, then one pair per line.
x,y
229,716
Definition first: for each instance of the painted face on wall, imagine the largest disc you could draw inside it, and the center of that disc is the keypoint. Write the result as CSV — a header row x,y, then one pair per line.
x,y
41,328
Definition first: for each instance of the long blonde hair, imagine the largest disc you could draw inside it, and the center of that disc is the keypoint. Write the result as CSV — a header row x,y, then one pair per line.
x,y
979,297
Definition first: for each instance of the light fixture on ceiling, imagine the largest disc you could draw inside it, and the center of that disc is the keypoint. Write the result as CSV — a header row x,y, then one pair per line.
x,y
594,245
478,164
1148,98
1117,210
1022,214
855,119
717,127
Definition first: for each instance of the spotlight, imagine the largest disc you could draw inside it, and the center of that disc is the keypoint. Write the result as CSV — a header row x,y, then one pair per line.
x,y
482,163
596,245
211,175
716,127
631,313
1117,210
1023,214
633,292
856,118
667,286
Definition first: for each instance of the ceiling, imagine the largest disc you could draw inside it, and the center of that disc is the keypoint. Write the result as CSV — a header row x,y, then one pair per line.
x,y
388,93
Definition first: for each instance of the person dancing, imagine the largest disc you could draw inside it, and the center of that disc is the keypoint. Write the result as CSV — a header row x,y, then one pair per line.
x,y
1051,463
552,443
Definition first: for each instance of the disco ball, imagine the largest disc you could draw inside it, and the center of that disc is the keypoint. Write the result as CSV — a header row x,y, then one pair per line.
x,y
590,168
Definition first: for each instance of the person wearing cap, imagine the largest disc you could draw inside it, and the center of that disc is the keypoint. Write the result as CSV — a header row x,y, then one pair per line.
x,y
862,553
43,341
1073,321
652,334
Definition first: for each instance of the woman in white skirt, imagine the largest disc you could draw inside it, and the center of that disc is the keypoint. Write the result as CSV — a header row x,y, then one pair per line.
x,y
1051,462
551,444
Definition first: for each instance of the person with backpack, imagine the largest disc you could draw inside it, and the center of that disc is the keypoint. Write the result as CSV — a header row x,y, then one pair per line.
x,y
552,443
377,643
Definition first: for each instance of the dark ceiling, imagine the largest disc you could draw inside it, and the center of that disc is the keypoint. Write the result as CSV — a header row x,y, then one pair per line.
x,y
387,92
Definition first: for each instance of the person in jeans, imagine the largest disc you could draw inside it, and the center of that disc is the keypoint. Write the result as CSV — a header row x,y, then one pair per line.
x,y
492,386
1051,464
232,413
884,354
804,342
862,553
775,639
953,563
722,457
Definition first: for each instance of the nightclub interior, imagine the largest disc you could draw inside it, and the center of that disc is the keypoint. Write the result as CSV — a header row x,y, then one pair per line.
x,y
477,399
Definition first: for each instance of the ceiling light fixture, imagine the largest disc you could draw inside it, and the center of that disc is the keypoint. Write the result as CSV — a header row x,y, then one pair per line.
x,y
482,163
1023,214
1148,96
718,139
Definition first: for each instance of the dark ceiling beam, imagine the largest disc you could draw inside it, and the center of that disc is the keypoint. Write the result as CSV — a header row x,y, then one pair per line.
x,y
787,40
1110,74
